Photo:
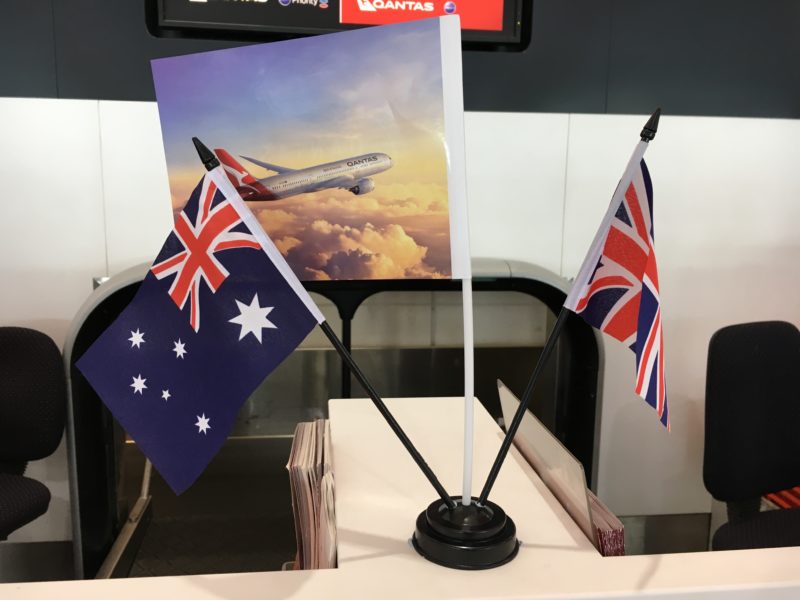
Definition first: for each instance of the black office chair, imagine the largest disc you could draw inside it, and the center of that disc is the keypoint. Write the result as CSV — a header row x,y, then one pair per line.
x,y
752,444
33,394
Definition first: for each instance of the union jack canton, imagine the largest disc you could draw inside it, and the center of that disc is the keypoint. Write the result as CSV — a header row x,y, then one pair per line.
x,y
195,259
620,296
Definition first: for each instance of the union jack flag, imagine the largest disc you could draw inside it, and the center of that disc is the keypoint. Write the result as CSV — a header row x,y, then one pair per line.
x,y
620,296
200,238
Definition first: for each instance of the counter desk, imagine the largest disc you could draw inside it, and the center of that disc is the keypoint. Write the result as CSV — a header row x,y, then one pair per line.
x,y
380,492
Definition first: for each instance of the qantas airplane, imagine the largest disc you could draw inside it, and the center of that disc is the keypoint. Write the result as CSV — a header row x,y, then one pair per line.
x,y
352,174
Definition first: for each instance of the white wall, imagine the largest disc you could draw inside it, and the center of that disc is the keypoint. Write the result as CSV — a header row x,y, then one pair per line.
x,y
727,216
51,243
516,169
86,195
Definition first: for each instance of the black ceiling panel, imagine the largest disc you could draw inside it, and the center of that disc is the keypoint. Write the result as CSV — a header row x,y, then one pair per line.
x,y
709,57
104,49
564,68
28,64
714,57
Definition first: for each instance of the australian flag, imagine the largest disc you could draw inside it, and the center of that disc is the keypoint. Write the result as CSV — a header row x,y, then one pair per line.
x,y
619,293
217,312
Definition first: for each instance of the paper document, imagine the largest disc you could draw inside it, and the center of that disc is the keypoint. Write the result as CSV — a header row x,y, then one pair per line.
x,y
564,476
312,488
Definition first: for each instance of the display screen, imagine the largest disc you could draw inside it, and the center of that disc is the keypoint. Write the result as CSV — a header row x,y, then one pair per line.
x,y
481,15
483,21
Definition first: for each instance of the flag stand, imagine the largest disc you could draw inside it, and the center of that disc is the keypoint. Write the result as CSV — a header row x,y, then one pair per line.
x,y
479,535
472,535
469,535
459,535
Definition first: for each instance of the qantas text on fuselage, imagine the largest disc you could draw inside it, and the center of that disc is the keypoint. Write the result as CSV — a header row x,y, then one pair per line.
x,y
352,174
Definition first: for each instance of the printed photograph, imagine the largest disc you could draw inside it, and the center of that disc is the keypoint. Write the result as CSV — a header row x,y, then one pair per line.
x,y
336,142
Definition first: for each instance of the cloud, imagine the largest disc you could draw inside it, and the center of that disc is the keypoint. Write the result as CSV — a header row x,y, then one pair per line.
x,y
310,274
278,222
287,243
332,251
400,249
353,264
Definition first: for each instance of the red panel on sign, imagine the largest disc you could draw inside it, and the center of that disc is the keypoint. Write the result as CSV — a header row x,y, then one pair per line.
x,y
482,15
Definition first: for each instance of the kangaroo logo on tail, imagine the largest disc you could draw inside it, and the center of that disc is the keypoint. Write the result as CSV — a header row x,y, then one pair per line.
x,y
247,185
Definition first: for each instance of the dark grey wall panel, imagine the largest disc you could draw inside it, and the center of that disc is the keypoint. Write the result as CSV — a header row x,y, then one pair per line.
x,y
564,68
104,49
692,57
27,56
709,57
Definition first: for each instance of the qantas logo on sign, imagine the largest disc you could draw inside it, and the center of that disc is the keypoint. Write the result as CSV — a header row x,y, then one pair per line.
x,y
405,5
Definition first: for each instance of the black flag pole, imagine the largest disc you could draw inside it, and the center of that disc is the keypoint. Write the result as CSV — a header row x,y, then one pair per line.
x,y
207,157
647,135
210,162
523,405
384,410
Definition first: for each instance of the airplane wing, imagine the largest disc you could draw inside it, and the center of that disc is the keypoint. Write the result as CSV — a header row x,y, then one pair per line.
x,y
268,166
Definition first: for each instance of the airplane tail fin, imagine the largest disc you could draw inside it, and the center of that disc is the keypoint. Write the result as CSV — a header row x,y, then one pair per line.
x,y
248,186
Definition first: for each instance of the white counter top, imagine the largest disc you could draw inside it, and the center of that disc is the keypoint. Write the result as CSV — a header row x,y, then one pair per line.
x,y
379,495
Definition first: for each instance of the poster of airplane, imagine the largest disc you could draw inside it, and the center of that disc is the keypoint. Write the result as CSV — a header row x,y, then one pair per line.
x,y
340,144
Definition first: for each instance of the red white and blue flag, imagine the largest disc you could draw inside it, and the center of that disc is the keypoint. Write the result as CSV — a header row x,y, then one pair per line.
x,y
617,288
174,386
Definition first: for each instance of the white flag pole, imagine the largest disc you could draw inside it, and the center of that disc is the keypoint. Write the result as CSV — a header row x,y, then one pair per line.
x,y
469,390
453,92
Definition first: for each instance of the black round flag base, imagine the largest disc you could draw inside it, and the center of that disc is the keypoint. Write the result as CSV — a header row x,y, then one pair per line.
x,y
466,537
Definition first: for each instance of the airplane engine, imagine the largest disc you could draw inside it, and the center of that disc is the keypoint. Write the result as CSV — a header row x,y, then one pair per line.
x,y
363,186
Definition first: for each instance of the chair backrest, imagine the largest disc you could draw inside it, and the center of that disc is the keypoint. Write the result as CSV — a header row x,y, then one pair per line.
x,y
752,429
33,396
